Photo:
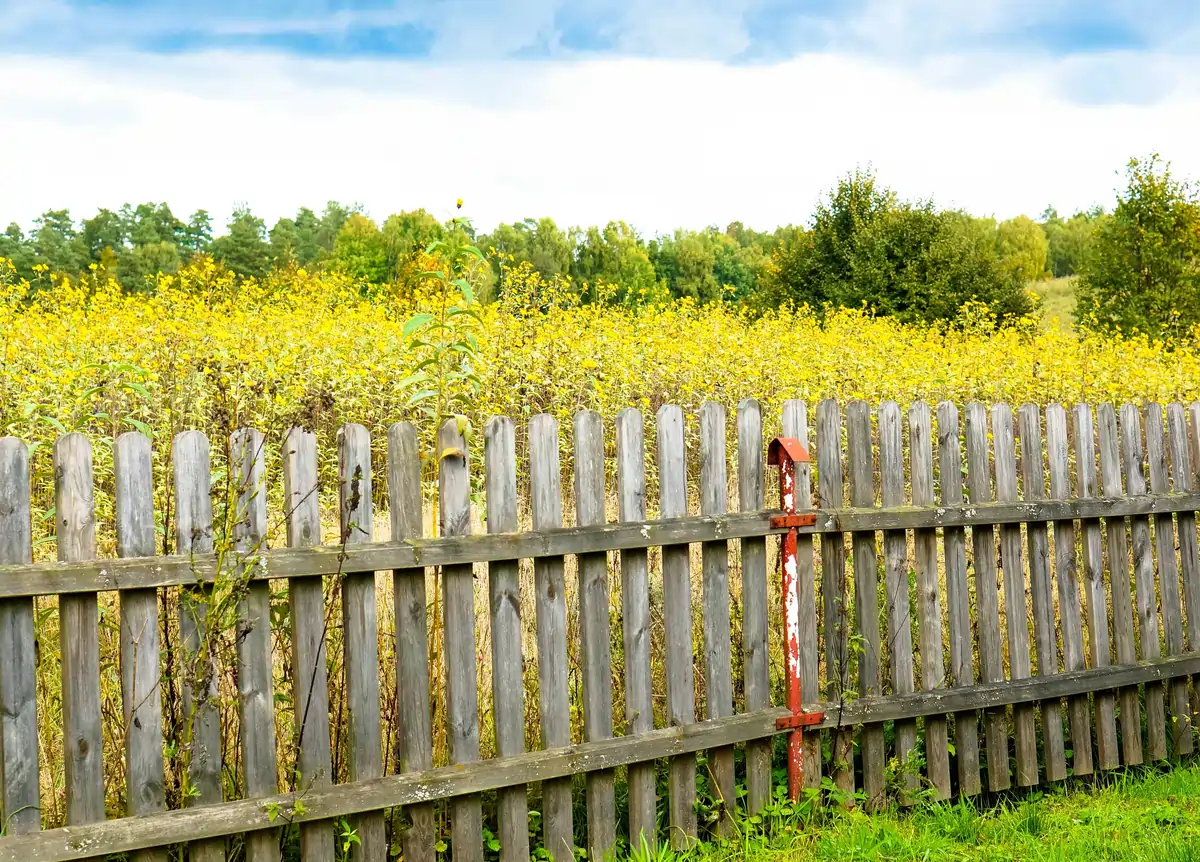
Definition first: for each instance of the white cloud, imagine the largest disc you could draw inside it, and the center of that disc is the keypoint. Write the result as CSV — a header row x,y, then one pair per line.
x,y
659,143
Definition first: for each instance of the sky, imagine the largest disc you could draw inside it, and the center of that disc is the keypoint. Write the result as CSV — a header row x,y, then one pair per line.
x,y
664,113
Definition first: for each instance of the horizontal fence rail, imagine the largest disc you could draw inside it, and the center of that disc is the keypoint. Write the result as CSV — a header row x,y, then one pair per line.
x,y
987,599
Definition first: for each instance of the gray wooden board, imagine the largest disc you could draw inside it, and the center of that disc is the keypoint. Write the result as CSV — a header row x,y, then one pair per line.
x,y
1189,552
508,684
201,714
141,670
175,827
415,746
360,636
256,689
635,622
545,482
1099,640
79,634
306,604
835,611
677,606
595,635
991,651
958,600
1066,570
18,660
1124,642
1040,587
1143,573
795,425
1168,579
929,599
898,615
458,608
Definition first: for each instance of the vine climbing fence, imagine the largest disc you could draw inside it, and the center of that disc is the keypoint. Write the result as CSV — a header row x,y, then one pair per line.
x,y
983,604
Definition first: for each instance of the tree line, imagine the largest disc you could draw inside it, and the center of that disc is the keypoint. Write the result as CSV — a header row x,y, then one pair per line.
x,y
864,246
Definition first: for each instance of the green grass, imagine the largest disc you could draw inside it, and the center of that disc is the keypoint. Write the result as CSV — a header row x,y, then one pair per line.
x,y
1142,815
1058,300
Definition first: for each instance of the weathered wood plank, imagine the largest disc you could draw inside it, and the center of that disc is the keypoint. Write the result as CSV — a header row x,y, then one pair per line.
x,y
306,605
594,603
635,619
1099,642
899,621
37,579
545,482
833,589
141,671
256,688
929,603
1189,552
677,610
360,637
174,827
1066,574
201,714
415,746
79,634
718,641
508,684
1168,579
795,424
958,599
991,650
458,608
19,781
1040,585
1118,564
1143,573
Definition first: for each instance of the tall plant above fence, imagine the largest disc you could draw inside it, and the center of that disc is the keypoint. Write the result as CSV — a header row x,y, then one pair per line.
x,y
1011,612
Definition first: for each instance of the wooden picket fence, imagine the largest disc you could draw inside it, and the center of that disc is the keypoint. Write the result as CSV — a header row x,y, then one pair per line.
x,y
1041,541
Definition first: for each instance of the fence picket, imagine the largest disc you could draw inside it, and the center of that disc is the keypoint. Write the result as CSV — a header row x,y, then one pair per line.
x,y
1041,590
201,716
795,424
458,609
594,604
360,634
866,594
677,601
508,684
140,669
958,600
718,660
545,481
1066,570
833,588
1168,579
1143,572
1118,572
635,618
306,605
899,621
1099,642
256,690
991,651
929,604
79,634
1189,552
415,748
19,780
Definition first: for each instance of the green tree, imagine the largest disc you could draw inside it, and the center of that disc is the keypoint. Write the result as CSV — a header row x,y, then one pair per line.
x,y
406,234
1022,247
307,226
284,240
613,264
15,247
1143,272
546,247
331,222
197,236
57,244
360,251
140,265
244,249
105,230
1069,240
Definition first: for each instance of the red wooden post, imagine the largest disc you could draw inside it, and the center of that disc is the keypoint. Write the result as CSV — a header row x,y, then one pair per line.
x,y
783,453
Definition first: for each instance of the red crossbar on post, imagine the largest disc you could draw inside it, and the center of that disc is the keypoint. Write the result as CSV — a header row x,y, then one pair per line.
x,y
783,453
